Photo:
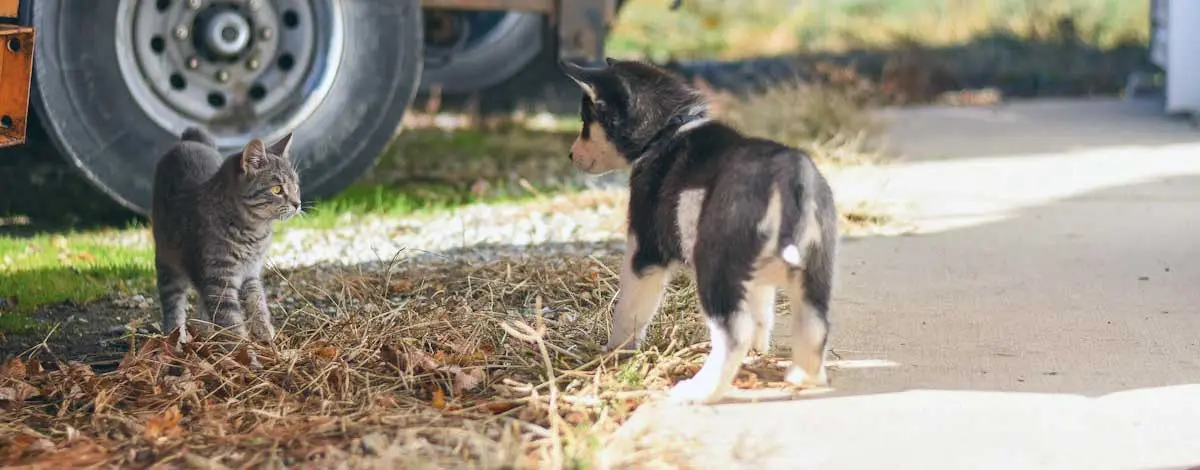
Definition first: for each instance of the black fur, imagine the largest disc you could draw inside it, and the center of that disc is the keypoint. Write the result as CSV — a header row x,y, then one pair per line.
x,y
641,109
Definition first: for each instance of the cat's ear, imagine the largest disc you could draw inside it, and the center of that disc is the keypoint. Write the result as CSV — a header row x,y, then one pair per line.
x,y
253,156
283,147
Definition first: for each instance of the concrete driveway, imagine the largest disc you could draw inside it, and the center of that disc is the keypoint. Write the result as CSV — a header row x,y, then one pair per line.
x,y
1044,313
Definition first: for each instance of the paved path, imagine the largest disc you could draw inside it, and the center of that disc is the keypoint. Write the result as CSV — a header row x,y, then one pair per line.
x,y
1038,316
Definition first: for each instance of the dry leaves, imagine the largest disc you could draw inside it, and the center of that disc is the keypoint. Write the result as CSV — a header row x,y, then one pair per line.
x,y
13,369
164,425
412,363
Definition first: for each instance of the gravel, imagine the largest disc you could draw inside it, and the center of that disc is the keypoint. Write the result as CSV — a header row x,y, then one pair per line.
x,y
475,232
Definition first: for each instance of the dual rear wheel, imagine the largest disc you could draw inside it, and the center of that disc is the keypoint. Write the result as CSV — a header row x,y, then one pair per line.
x,y
117,81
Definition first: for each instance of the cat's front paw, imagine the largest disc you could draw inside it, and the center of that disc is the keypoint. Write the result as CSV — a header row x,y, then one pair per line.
x,y
262,331
178,337
695,391
614,346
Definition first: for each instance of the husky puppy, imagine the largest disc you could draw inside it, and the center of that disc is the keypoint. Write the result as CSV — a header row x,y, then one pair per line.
x,y
747,216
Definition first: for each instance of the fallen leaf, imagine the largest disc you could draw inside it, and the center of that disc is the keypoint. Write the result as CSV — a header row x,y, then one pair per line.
x,y
84,256
34,368
243,357
400,286
165,424
466,379
423,360
500,406
464,359
13,369
576,418
79,368
327,352
439,398
392,357
386,400
749,380
23,444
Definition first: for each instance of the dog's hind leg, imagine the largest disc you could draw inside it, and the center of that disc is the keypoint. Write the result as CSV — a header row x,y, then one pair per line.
x,y
809,292
727,303
760,300
730,341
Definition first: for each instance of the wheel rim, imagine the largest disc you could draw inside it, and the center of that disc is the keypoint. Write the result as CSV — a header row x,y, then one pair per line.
x,y
469,51
253,68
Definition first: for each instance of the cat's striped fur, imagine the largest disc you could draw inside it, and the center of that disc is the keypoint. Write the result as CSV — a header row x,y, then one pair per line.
x,y
211,218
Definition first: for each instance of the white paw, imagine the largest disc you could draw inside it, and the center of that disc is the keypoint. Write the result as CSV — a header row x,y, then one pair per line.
x,y
798,377
695,391
762,342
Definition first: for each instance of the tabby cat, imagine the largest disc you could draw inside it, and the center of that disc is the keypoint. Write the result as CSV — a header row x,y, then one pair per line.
x,y
211,218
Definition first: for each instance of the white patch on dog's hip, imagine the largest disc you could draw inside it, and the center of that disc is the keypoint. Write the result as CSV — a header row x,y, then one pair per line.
x,y
687,220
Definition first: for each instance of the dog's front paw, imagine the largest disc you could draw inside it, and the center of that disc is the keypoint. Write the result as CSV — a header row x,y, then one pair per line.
x,y
695,391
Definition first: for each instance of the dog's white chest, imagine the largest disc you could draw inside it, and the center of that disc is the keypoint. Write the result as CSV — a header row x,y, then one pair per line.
x,y
687,220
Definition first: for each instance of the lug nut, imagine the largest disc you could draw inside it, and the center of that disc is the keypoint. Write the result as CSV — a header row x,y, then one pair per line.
x,y
252,64
193,63
193,4
266,34
181,33
222,76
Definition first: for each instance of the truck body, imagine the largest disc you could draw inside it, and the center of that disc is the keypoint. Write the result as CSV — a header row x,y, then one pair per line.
x,y
113,82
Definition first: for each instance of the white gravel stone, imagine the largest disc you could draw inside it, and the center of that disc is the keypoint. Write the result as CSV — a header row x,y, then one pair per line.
x,y
480,231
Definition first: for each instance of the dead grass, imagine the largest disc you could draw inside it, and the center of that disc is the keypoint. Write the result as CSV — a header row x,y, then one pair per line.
x,y
406,365
451,366
829,115
433,365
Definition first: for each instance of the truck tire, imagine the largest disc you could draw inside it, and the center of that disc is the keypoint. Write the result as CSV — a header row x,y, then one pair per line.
x,y
513,65
116,82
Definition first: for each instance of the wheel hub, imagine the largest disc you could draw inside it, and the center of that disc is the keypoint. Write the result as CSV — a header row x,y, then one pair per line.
x,y
231,65
470,51
228,33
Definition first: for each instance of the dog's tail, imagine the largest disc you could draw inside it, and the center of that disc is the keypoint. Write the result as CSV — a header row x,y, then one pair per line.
x,y
198,134
798,193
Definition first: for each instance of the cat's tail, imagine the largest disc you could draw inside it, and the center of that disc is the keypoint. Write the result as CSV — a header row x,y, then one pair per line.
x,y
197,134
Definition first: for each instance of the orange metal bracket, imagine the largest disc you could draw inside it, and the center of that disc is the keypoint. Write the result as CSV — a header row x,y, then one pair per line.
x,y
16,67
8,8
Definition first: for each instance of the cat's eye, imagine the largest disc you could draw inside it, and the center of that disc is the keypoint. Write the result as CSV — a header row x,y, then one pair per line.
x,y
277,190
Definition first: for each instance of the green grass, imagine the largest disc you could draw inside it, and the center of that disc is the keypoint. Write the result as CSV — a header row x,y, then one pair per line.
x,y
424,171
46,269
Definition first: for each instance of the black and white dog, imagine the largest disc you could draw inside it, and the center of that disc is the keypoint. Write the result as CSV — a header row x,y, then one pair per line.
x,y
747,215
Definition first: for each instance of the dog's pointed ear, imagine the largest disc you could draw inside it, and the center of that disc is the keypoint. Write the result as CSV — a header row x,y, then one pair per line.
x,y
610,61
583,76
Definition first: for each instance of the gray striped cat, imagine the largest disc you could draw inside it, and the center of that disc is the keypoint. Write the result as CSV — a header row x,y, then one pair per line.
x,y
211,219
